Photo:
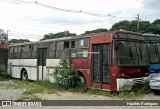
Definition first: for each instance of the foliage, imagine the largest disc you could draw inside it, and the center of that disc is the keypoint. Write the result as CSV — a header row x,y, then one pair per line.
x,y
65,74
58,35
1,70
13,41
125,25
2,76
144,26
96,31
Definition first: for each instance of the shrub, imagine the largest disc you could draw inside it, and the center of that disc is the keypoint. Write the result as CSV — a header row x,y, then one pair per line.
x,y
1,70
65,74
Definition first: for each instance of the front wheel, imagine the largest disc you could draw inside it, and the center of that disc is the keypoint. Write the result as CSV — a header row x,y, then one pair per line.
x,y
24,75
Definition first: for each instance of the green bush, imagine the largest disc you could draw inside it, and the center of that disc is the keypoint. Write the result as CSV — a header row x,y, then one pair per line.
x,y
65,74
1,70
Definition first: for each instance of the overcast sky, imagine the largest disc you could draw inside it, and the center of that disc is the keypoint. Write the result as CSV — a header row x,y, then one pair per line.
x,y
27,20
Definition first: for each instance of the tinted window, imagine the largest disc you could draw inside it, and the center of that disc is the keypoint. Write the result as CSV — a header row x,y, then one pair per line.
x,y
151,53
124,54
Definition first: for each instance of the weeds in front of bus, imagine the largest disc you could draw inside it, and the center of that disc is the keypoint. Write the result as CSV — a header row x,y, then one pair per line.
x,y
65,74
53,88
2,76
135,92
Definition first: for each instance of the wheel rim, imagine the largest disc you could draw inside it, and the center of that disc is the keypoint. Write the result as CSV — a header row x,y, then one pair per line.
x,y
24,75
82,81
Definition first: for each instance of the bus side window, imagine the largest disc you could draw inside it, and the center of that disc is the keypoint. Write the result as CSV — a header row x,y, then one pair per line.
x,y
59,48
82,43
34,53
30,47
72,44
11,52
52,50
66,44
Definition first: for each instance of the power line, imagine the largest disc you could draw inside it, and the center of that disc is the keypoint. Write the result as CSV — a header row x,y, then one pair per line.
x,y
66,10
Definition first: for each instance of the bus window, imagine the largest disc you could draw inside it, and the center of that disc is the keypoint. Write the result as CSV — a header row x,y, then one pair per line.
x,y
122,35
34,52
124,54
52,46
59,49
151,53
66,44
72,44
59,46
144,58
35,47
158,48
82,43
30,47
11,50
134,53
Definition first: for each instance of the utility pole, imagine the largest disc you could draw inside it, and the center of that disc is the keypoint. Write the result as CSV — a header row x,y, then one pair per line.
x,y
137,22
7,37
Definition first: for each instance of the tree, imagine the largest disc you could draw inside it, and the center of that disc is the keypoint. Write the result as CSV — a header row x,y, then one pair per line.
x,y
65,74
125,25
13,41
145,26
58,35
96,31
155,27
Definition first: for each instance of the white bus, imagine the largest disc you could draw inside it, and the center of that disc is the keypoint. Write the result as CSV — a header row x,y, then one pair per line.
x,y
36,60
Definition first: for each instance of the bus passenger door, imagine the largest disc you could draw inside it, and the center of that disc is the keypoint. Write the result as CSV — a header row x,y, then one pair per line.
x,y
100,66
42,55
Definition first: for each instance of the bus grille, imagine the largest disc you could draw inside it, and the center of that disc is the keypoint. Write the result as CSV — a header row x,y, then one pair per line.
x,y
138,81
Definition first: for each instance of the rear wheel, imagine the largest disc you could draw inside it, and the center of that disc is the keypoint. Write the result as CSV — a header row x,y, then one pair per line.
x,y
24,75
82,83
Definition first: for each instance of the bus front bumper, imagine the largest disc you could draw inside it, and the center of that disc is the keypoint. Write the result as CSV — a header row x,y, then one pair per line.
x,y
127,84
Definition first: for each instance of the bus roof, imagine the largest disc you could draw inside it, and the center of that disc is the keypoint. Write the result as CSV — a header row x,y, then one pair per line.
x,y
108,33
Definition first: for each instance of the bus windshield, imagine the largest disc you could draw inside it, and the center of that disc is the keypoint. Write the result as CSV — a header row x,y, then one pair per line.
x,y
132,54
152,50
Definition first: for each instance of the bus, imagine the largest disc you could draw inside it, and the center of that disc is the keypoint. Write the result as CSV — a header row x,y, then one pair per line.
x,y
111,61
3,52
153,49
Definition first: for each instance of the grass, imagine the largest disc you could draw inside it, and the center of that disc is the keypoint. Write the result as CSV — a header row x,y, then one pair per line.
x,y
50,88
136,92
4,77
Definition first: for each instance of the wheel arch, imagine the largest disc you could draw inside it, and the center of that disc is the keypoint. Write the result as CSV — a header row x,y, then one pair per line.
x,y
22,72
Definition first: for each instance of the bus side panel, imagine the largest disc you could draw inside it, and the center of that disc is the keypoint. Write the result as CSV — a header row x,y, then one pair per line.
x,y
16,66
50,66
32,73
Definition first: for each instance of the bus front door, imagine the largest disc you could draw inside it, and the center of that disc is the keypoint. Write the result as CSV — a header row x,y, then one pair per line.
x,y
100,66
42,55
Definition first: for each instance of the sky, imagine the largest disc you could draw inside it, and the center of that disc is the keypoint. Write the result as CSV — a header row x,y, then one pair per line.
x,y
32,19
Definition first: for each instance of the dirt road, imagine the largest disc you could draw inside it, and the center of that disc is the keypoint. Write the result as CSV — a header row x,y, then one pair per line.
x,y
13,94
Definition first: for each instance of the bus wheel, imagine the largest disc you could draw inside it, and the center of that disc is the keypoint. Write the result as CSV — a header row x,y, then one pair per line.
x,y
24,75
82,83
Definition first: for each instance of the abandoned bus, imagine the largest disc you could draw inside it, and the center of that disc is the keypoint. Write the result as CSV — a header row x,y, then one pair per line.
x,y
3,51
111,61
153,49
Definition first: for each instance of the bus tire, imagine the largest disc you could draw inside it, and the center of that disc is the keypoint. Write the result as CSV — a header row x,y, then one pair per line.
x,y
24,75
82,82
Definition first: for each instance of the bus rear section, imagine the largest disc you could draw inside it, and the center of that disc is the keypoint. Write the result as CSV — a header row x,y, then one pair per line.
x,y
153,49
118,61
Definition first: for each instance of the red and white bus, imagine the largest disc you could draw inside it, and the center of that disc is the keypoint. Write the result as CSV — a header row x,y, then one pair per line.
x,y
3,51
112,61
